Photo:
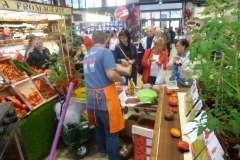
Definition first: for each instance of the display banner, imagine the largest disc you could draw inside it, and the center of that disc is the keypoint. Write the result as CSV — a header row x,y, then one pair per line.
x,y
34,7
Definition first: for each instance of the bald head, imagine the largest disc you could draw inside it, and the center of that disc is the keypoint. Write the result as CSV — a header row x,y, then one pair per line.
x,y
149,31
158,32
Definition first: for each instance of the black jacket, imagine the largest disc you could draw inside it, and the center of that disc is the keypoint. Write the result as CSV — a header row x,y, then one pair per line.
x,y
37,59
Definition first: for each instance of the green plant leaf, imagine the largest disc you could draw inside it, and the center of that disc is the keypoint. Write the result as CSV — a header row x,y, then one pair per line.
x,y
237,146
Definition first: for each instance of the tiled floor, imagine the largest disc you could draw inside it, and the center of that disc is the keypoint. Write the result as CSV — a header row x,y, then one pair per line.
x,y
65,152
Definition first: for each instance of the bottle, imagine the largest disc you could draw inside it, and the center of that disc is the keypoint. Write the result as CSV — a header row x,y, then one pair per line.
x,y
131,87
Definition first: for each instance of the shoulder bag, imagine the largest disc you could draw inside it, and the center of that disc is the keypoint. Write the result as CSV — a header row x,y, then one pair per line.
x,y
140,67
124,70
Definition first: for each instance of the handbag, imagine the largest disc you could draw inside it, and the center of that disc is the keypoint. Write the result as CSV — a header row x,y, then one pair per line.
x,y
140,68
160,76
124,70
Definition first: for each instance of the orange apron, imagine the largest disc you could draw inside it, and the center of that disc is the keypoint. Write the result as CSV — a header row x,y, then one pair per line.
x,y
114,109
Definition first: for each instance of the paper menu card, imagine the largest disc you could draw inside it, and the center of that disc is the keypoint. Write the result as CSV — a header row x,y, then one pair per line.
x,y
195,111
191,98
207,147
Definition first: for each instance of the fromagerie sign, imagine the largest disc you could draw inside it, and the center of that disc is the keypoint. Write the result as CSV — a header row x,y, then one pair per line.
x,y
34,7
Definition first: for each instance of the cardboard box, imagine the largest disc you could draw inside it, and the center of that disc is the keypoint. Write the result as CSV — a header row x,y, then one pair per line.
x,y
143,130
127,131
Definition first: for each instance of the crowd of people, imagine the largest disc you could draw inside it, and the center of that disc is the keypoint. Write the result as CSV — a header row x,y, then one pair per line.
x,y
96,58
152,53
100,75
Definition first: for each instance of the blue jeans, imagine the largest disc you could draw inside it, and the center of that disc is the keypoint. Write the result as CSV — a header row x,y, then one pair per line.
x,y
107,142
152,80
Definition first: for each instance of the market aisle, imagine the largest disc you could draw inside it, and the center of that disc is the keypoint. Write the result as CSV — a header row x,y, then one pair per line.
x,y
65,152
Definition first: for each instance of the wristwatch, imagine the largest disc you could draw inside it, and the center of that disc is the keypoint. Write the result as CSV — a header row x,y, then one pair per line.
x,y
119,60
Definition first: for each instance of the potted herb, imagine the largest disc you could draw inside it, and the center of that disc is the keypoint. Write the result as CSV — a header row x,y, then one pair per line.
x,y
218,69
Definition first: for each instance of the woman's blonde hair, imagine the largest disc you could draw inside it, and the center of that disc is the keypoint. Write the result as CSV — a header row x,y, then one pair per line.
x,y
159,41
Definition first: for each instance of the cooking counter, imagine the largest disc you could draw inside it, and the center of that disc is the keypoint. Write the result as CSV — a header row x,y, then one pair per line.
x,y
164,144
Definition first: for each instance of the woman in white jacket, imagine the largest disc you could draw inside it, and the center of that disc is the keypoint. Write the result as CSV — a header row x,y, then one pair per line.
x,y
180,65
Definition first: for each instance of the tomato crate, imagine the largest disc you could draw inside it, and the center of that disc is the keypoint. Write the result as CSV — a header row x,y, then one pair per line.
x,y
30,93
142,147
9,71
76,133
7,93
44,86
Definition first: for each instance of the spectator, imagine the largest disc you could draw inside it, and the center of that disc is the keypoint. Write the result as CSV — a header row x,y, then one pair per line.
x,y
113,41
30,45
38,55
131,52
100,74
173,35
158,34
168,40
146,42
56,47
6,34
180,65
87,41
152,60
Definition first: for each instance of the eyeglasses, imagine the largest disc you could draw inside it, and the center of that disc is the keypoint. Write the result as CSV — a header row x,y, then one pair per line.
x,y
122,38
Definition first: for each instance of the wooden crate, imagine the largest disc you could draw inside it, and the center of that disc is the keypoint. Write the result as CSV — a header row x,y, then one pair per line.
x,y
25,88
8,90
9,60
47,83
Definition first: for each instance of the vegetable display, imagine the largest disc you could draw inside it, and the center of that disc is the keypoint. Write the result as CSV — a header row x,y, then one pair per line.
x,y
19,108
45,89
9,71
173,101
174,110
34,99
169,115
23,67
169,92
175,132
183,145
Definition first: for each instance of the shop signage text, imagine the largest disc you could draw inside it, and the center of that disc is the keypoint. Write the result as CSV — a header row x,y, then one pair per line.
x,y
33,7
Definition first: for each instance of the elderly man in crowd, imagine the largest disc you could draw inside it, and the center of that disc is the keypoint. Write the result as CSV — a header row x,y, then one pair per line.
x,y
6,34
38,55
146,42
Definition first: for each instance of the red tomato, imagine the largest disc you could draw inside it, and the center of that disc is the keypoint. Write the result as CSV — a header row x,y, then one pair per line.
x,y
183,145
3,100
17,110
19,115
169,92
174,95
24,106
24,112
207,133
173,101
174,110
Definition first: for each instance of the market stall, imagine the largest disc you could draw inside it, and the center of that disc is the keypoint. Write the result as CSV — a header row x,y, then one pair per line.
x,y
25,18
